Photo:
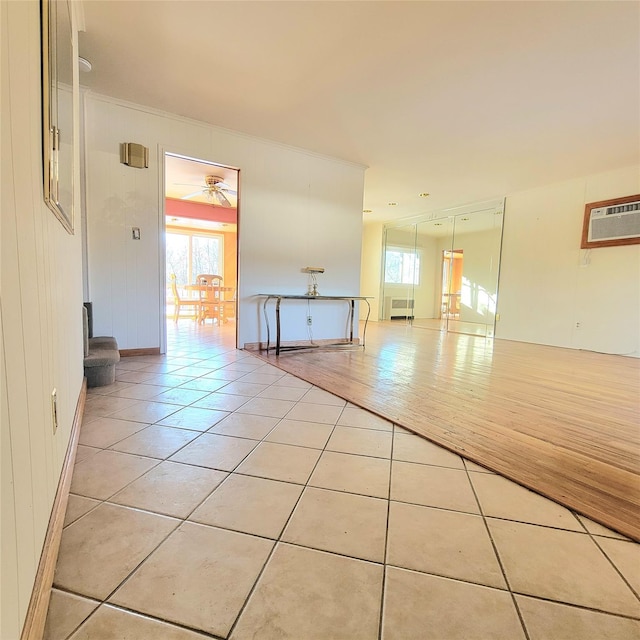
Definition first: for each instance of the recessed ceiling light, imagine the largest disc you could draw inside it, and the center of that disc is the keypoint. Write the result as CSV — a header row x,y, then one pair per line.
x,y
464,219
392,204
367,211
437,224
424,195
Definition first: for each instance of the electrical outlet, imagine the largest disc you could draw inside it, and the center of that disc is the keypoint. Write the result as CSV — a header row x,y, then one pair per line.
x,y
309,320
54,410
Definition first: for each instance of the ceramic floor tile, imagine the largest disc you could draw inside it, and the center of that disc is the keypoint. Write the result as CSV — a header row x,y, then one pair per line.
x,y
250,505
98,551
239,388
213,570
421,607
560,565
446,543
245,426
145,411
310,412
599,530
291,381
502,498
282,393
362,442
111,623
140,391
280,462
130,364
340,522
432,487
313,595
267,407
319,396
550,621
472,466
356,417
171,489
224,376
300,433
66,612
268,368
193,418
100,476
245,367
354,474
261,378
409,448
215,451
160,367
106,405
194,370
180,396
169,379
134,376
104,432
156,441
77,506
221,402
82,452
625,556
401,430
203,384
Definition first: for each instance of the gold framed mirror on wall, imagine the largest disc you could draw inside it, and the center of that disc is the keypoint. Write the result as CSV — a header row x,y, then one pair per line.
x,y
57,109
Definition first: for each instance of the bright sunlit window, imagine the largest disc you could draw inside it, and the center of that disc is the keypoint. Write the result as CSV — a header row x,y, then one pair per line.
x,y
401,266
189,254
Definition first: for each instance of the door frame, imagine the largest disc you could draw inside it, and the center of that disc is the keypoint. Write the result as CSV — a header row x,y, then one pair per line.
x,y
162,229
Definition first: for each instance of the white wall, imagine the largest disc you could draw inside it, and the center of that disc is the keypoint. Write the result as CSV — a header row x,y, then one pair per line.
x,y
548,284
296,209
40,320
371,268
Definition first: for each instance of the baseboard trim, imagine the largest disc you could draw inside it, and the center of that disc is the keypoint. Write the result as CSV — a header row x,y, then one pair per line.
x,y
327,343
150,351
36,617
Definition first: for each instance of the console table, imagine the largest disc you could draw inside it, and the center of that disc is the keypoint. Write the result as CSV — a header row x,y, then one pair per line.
x,y
279,297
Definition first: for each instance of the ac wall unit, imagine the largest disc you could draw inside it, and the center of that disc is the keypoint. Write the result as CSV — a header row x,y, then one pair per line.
x,y
615,222
398,308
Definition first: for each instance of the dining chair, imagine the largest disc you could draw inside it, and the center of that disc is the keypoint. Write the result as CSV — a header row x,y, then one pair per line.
x,y
179,302
210,297
229,307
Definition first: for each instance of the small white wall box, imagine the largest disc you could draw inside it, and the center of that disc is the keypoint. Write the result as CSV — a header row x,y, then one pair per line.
x,y
134,155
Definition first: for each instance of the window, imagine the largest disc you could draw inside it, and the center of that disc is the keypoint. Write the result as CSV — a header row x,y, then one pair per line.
x,y
401,266
189,254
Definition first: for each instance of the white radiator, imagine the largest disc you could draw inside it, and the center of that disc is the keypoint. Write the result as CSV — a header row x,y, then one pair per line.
x,y
398,308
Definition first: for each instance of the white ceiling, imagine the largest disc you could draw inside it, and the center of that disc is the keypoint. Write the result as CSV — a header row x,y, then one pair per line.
x,y
464,100
185,177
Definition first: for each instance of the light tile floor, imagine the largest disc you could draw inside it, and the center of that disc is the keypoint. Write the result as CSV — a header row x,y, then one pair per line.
x,y
215,496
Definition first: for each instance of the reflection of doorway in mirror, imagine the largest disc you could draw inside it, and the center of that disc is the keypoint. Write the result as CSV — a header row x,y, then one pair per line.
x,y
452,266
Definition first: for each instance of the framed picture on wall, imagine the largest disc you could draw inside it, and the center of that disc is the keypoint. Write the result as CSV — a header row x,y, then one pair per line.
x,y
611,223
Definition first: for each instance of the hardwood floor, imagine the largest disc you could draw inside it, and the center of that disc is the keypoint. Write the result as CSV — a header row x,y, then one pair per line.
x,y
561,422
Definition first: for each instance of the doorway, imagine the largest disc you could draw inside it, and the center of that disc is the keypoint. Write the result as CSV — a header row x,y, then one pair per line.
x,y
200,238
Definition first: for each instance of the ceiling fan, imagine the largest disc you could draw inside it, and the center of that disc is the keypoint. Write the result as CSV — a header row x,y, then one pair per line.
x,y
214,188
